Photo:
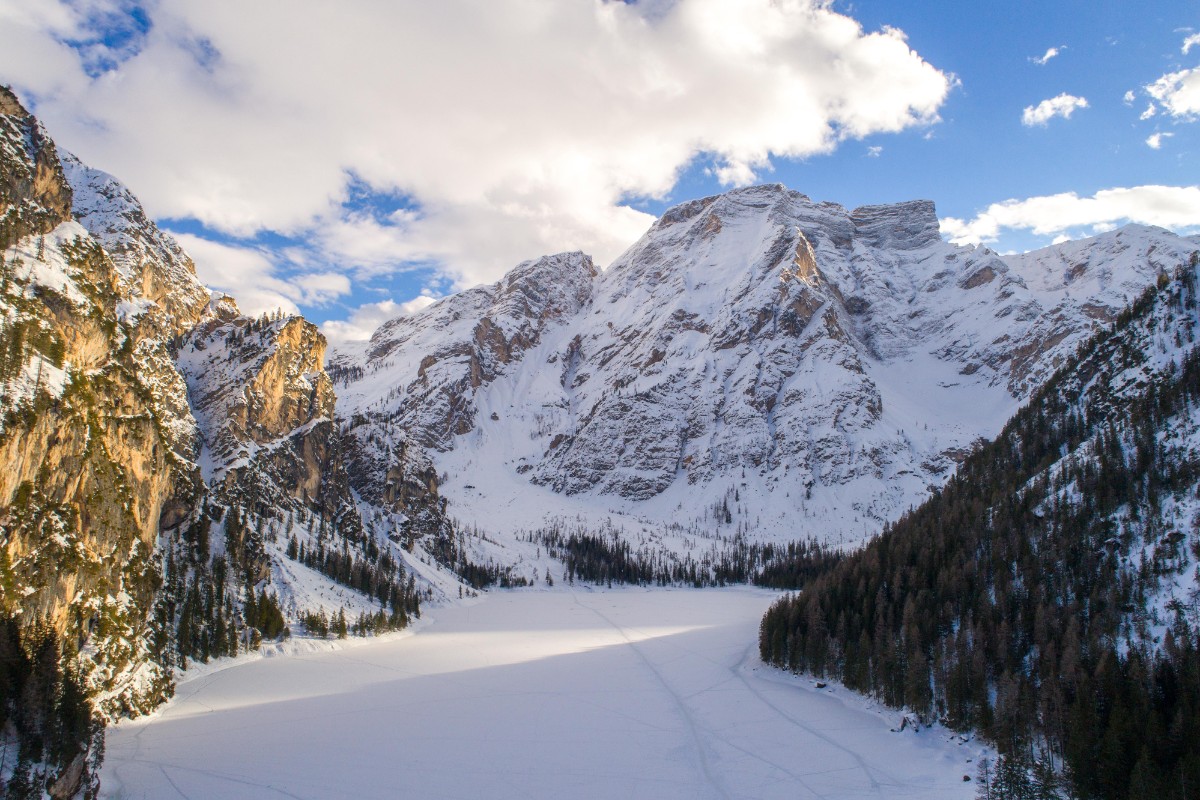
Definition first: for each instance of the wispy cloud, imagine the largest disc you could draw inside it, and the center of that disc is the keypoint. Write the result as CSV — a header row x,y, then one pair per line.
x,y
1049,54
1064,105
1190,42
1155,140
254,280
1176,207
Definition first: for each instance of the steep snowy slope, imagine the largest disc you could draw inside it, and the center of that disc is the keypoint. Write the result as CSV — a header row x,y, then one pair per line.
x,y
414,387
814,369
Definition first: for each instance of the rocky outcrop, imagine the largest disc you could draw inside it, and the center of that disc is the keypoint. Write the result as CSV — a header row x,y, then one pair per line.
x,y
34,194
265,409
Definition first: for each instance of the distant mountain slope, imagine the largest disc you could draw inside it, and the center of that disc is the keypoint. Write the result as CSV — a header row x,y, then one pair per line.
x,y
827,367
1050,593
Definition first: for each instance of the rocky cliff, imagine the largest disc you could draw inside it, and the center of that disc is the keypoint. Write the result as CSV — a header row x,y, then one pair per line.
x,y
265,410
96,431
161,446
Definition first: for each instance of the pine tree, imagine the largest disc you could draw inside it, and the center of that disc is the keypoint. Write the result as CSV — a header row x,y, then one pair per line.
x,y
340,625
983,781
1045,781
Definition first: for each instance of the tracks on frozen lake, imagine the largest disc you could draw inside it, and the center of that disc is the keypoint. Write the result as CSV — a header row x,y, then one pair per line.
x,y
621,693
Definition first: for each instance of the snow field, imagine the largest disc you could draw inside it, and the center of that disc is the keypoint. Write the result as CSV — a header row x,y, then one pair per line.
x,y
564,694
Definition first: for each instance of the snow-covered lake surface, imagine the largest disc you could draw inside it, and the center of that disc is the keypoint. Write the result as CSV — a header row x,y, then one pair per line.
x,y
559,694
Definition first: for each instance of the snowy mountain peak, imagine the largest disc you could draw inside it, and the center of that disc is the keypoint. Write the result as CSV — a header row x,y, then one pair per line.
x,y
461,344
152,265
827,366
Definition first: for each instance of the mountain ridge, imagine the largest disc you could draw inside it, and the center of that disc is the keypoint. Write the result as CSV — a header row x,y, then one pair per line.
x,y
755,340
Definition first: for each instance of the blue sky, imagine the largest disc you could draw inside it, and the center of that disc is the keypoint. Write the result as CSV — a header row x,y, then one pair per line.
x,y
347,161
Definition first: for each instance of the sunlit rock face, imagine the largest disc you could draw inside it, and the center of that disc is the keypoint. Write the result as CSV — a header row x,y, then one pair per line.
x,y
131,398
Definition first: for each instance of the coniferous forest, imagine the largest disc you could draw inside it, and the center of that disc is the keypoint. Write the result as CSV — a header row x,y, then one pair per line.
x,y
1023,599
606,557
47,724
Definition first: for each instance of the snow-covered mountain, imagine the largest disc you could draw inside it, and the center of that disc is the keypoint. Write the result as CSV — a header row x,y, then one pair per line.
x,y
816,370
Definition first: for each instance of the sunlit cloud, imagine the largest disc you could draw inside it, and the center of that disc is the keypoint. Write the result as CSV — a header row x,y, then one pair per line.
x,y
483,115
1178,93
1155,140
363,321
1174,207
1064,105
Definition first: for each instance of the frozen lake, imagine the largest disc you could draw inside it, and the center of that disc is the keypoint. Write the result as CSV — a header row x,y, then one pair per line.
x,y
560,694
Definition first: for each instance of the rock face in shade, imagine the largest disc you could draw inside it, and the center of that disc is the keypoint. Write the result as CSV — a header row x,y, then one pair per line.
x,y
825,366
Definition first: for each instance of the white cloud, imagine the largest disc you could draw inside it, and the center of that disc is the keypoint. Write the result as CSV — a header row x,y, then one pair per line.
x,y
1050,53
319,288
250,276
517,128
1150,111
1064,105
1129,97
366,318
1178,93
1175,207
1190,42
874,151
737,173
1154,141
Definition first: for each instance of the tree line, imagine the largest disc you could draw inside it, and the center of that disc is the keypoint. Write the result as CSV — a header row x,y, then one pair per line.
x,y
606,557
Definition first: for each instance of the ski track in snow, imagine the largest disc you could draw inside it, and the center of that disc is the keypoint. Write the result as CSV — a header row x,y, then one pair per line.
x,y
572,692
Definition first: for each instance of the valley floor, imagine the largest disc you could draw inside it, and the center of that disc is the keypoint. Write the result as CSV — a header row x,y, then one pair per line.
x,y
535,694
